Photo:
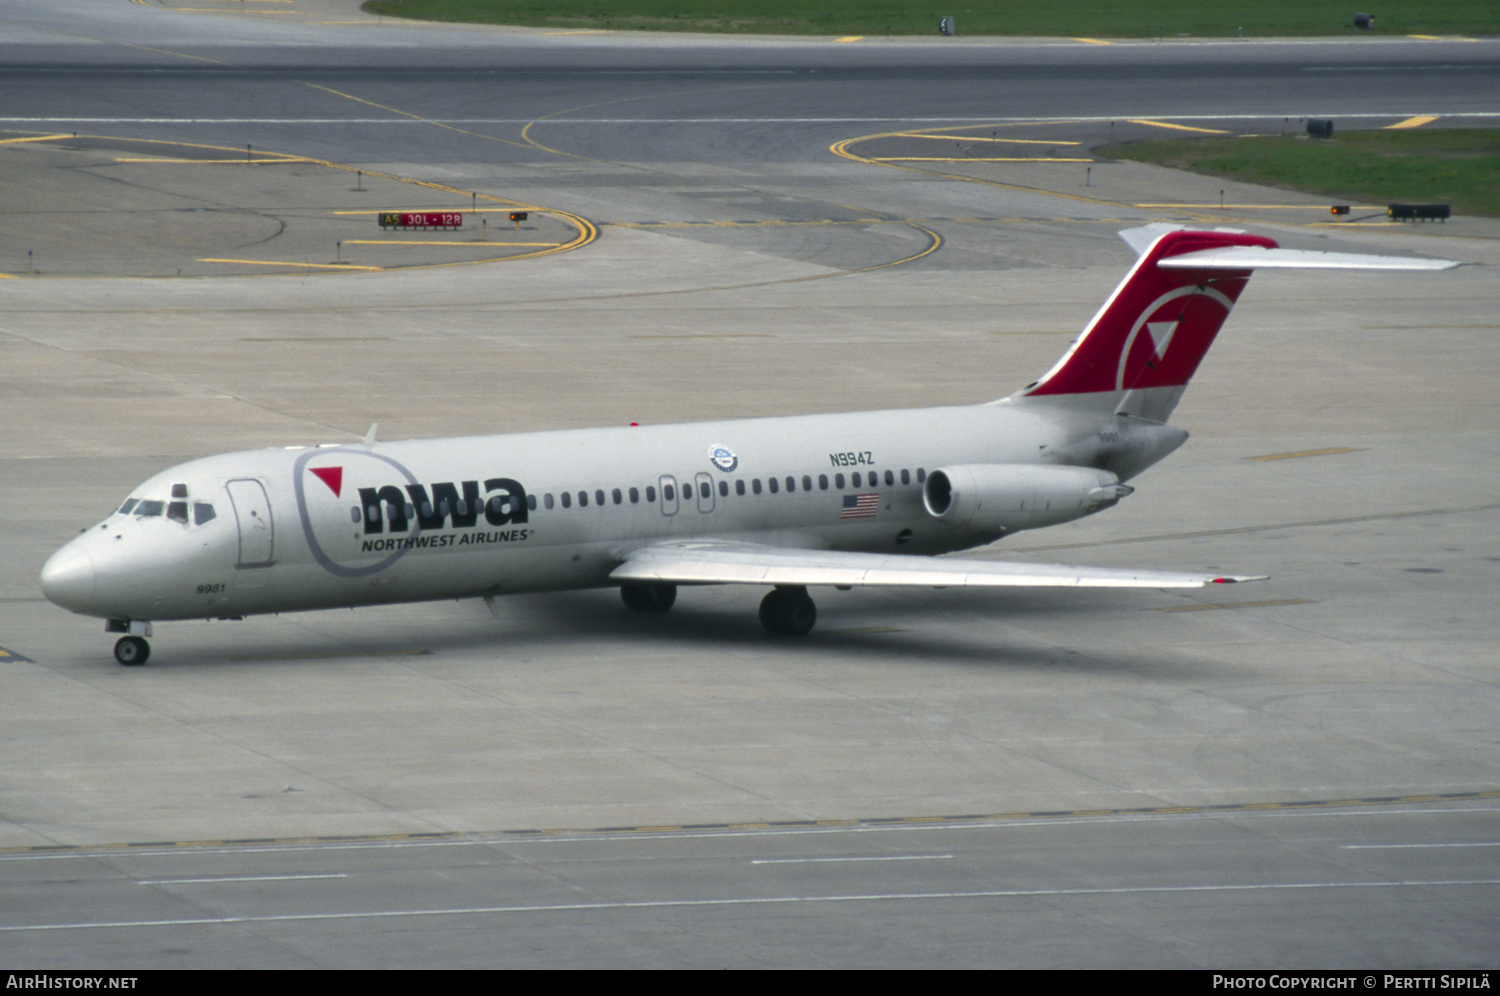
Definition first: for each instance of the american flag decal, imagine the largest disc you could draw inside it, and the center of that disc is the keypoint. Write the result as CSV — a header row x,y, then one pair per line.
x,y
860,506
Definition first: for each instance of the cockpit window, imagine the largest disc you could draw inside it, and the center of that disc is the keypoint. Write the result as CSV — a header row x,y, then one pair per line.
x,y
204,512
129,504
150,508
177,511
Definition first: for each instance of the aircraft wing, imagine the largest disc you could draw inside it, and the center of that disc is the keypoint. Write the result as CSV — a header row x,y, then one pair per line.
x,y
730,562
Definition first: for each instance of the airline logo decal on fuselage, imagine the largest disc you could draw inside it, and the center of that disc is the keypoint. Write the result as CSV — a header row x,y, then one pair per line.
x,y
398,518
723,457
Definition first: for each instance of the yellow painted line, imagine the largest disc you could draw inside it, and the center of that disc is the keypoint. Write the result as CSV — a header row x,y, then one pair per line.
x,y
311,266
1272,603
1307,453
1415,122
1262,207
1093,41
451,245
850,38
427,210
1177,127
33,138
978,159
976,138
242,161
9,276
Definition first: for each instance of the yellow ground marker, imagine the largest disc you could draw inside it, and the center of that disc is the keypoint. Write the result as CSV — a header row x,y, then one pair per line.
x,y
1416,122
32,138
1093,41
1177,127
453,245
850,38
978,159
1237,605
976,138
310,266
1306,453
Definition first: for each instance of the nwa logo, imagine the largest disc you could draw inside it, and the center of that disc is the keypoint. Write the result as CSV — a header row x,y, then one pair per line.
x,y
503,503
397,519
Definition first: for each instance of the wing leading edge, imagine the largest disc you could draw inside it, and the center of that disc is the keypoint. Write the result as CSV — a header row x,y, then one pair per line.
x,y
729,562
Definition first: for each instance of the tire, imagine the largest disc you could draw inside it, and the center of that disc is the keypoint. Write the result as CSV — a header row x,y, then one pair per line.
x,y
648,597
132,651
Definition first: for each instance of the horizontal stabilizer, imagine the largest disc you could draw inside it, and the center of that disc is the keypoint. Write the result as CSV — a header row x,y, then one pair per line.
x,y
1261,258
727,562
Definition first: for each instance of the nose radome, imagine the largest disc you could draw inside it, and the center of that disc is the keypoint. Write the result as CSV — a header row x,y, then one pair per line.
x,y
68,578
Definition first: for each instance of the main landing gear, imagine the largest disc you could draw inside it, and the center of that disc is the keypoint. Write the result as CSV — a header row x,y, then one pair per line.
x,y
786,610
789,611
648,597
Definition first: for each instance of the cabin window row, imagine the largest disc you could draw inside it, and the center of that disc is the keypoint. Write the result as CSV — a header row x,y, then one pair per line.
x,y
774,485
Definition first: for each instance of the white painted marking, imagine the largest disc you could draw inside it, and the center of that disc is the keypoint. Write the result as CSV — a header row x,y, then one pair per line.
x,y
815,861
234,878
873,897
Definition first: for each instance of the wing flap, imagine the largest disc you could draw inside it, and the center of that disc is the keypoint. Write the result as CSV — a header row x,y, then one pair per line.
x,y
727,562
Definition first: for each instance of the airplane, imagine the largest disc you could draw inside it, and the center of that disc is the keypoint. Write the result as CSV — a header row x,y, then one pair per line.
x,y
841,500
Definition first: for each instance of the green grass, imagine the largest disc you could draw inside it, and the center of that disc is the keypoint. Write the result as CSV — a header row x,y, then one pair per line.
x,y
1068,18
1458,166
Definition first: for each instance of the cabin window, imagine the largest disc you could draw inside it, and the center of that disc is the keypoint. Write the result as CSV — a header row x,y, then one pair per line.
x,y
791,484
668,492
905,476
705,490
838,481
567,500
822,482
635,496
739,487
651,493
599,496
921,475
890,479
531,502
618,496
806,482
547,500
855,480
755,485
771,483
723,489
583,499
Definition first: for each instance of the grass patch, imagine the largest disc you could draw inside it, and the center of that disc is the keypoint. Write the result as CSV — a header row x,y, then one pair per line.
x,y
1064,18
1458,166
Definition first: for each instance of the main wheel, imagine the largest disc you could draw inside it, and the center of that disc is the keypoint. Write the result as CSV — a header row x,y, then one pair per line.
x,y
789,611
648,597
132,651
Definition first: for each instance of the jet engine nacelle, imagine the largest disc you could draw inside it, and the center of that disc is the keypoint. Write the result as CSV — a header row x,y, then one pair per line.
x,y
1002,498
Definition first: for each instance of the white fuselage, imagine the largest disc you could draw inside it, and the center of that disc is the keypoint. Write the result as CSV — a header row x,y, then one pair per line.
x,y
322,527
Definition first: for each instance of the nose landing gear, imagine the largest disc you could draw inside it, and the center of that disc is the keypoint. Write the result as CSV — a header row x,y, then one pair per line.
x,y
132,651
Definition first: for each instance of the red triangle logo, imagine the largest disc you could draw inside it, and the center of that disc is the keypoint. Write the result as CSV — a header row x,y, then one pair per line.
x,y
331,476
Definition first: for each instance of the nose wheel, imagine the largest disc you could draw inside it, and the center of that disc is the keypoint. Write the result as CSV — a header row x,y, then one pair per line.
x,y
132,651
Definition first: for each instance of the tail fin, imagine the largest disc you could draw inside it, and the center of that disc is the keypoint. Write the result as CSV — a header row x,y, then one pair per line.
x,y
1137,355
